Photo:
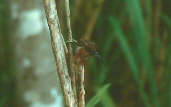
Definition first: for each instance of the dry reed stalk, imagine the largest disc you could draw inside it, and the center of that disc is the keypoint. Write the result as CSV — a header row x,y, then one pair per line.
x,y
70,54
58,47
93,19
81,91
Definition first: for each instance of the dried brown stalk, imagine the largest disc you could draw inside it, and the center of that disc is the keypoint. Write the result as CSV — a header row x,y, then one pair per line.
x,y
162,57
92,22
81,93
77,6
58,47
67,9
156,19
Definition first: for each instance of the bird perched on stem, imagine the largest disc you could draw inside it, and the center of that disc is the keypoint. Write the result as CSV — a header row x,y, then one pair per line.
x,y
84,49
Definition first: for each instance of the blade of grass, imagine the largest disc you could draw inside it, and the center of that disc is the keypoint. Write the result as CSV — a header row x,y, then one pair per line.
x,y
131,60
148,9
96,99
3,101
107,100
135,13
166,19
107,46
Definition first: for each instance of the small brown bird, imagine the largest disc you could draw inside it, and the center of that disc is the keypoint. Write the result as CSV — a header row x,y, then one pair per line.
x,y
85,49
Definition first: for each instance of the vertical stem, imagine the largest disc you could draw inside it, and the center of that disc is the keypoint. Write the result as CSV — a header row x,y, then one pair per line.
x,y
59,52
156,18
81,86
92,22
67,9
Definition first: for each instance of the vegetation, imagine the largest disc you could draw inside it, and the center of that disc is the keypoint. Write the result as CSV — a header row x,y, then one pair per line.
x,y
133,39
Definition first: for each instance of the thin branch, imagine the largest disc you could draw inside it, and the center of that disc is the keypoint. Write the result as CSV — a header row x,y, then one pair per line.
x,y
92,21
79,59
81,92
162,58
77,6
67,9
59,52
156,18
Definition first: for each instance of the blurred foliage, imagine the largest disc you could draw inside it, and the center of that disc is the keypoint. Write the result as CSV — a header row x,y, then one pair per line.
x,y
96,99
133,39
7,78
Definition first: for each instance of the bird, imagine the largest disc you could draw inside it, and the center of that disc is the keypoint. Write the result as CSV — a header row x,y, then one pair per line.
x,y
85,49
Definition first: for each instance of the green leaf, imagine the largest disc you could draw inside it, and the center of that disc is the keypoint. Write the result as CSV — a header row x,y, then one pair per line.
x,y
2,102
96,99
130,58
140,34
166,19
107,100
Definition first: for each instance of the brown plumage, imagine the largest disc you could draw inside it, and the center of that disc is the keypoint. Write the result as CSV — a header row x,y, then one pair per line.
x,y
84,50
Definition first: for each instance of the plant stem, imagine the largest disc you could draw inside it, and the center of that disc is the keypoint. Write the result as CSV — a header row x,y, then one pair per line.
x,y
59,52
81,86
67,10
